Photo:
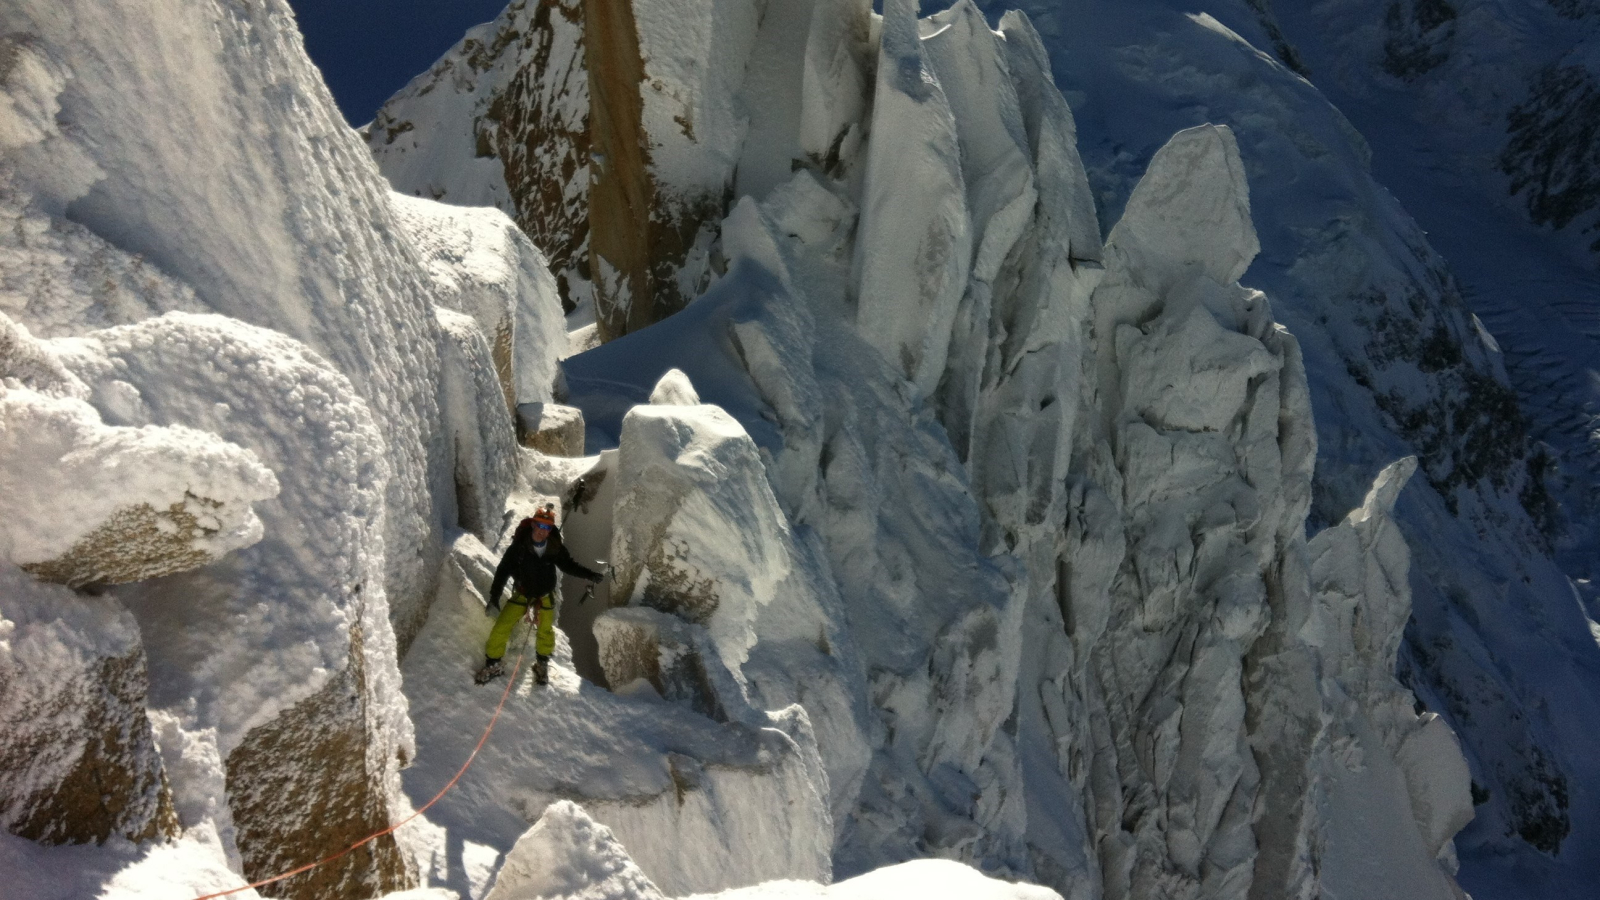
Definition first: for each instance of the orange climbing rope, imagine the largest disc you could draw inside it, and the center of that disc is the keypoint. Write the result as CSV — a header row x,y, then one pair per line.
x,y
510,680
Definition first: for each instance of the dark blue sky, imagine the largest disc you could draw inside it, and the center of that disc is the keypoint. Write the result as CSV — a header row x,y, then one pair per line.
x,y
368,49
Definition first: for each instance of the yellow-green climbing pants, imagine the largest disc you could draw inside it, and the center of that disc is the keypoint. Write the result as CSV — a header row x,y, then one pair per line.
x,y
544,642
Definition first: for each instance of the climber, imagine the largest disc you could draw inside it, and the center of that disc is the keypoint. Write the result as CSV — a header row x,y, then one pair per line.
x,y
531,561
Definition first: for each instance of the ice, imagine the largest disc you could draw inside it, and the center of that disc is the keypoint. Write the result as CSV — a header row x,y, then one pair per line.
x,y
914,244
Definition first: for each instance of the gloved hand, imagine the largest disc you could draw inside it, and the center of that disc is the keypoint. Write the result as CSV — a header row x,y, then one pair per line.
x,y
491,609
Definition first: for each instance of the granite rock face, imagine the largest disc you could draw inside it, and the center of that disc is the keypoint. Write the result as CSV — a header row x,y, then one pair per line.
x,y
79,762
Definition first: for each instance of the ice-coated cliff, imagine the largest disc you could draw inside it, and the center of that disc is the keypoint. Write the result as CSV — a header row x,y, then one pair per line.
x,y
238,415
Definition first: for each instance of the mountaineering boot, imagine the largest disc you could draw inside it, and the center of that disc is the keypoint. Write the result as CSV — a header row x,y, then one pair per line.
x,y
490,671
541,670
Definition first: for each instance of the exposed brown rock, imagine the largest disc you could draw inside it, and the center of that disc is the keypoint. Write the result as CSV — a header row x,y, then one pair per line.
x,y
538,126
550,428
621,191
117,786
135,543
637,643
302,788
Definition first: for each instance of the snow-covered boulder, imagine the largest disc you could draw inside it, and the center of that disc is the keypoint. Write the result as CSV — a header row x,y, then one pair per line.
x,y
699,533
483,266
79,762
85,502
550,428
568,854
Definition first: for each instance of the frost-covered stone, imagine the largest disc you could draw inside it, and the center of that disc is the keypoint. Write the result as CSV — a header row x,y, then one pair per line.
x,y
482,441
78,763
568,854
550,428
295,675
481,265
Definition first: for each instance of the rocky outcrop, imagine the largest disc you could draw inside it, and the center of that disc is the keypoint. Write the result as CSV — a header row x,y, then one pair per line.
x,y
478,425
550,428
313,781
79,762
700,535
482,266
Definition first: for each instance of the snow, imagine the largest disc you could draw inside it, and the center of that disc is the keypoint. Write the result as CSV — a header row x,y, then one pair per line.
x,y
914,243
65,475
937,528
482,265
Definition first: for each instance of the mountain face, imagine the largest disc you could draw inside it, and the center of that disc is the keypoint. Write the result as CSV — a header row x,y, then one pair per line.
x,y
1118,495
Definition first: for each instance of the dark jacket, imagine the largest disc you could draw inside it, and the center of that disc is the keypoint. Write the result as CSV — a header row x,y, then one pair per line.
x,y
535,575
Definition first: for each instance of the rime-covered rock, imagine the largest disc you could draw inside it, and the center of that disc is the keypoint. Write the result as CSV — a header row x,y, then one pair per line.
x,y
86,502
550,428
79,763
481,265
284,652
482,440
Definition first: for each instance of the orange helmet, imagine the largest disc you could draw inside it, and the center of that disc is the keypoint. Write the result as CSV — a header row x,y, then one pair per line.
x,y
545,516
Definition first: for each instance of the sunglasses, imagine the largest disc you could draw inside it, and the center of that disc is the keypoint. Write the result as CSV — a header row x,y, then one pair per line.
x,y
540,526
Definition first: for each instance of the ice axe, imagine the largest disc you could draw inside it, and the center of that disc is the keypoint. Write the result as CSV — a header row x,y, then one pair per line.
x,y
589,591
